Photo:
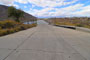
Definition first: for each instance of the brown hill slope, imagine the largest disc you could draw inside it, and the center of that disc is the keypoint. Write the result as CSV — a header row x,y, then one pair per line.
x,y
4,15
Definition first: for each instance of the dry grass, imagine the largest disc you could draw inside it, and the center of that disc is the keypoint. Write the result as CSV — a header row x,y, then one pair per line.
x,y
9,26
80,22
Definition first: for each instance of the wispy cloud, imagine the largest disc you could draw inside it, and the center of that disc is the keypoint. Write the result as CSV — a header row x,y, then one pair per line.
x,y
52,8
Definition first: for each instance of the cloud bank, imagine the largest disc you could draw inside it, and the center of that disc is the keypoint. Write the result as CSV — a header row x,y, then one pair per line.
x,y
53,8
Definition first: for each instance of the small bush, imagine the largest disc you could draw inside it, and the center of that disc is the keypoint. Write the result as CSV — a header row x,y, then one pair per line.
x,y
11,30
0,28
8,24
3,32
80,25
8,27
87,26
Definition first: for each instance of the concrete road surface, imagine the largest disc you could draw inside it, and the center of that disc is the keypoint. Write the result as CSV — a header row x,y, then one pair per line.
x,y
45,42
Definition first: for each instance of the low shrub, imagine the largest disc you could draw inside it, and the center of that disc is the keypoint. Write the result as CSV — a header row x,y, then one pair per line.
x,y
63,23
8,27
8,24
87,26
0,28
3,32
80,25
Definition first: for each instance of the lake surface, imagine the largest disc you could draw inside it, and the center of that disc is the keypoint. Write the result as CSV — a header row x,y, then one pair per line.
x,y
30,22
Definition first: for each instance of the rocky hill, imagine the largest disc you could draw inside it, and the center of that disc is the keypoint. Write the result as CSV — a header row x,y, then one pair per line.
x,y
3,12
4,15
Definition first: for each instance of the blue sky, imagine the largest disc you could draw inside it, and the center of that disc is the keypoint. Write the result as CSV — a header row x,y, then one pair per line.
x,y
52,8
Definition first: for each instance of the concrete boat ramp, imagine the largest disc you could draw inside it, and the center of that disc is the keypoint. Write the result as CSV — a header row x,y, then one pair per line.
x,y
45,42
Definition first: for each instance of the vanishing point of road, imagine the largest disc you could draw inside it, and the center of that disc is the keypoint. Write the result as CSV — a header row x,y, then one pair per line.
x,y
45,42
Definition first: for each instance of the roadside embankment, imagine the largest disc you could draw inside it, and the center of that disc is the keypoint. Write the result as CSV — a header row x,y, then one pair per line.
x,y
10,26
75,28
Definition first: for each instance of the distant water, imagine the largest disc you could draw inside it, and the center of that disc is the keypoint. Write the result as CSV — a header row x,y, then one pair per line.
x,y
30,22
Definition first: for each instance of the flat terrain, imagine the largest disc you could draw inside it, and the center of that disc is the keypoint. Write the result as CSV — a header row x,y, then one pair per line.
x,y
45,42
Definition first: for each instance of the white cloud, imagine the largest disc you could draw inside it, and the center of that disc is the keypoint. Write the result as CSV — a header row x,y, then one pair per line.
x,y
85,11
22,1
72,7
33,6
25,6
70,11
43,12
46,3
10,2
15,5
6,2
49,7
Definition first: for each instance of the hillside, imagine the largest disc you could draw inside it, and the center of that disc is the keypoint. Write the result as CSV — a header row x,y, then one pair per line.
x,y
4,15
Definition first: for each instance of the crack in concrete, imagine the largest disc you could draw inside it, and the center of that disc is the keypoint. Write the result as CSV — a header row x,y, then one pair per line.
x,y
19,45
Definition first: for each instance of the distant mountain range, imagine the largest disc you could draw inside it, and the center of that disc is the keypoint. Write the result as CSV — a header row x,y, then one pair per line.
x,y
4,15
